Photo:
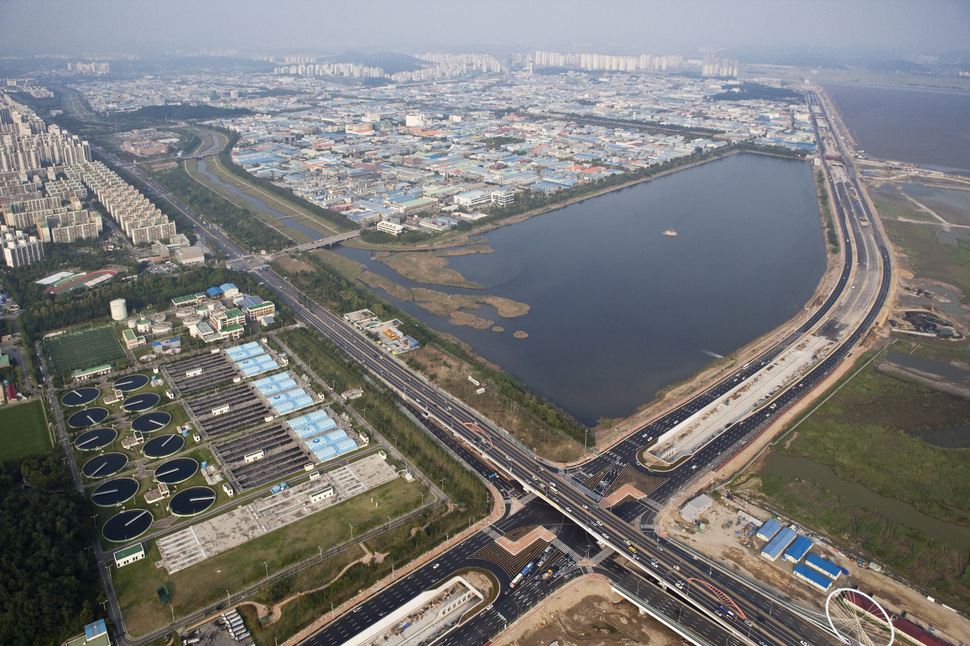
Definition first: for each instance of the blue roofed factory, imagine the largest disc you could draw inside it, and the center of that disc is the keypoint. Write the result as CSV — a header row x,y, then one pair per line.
x,y
817,579
798,549
824,566
778,544
769,529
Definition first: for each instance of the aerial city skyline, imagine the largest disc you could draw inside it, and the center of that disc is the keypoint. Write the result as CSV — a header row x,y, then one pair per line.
x,y
748,28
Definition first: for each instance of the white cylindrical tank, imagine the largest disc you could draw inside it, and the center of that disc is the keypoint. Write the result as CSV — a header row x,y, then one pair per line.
x,y
143,325
119,309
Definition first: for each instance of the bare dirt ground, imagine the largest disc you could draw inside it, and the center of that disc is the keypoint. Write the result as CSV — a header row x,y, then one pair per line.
x,y
743,556
293,266
587,613
426,267
452,375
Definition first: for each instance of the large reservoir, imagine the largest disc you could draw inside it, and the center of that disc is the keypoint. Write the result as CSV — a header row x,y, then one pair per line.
x,y
618,309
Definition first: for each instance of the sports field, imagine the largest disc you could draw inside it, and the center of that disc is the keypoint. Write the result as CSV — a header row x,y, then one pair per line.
x,y
23,430
85,349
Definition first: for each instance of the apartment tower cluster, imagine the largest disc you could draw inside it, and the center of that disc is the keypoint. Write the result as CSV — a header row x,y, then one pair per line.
x,y
141,220
46,176
710,65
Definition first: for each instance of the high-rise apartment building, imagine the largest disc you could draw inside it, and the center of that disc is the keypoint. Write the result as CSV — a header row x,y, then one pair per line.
x,y
19,249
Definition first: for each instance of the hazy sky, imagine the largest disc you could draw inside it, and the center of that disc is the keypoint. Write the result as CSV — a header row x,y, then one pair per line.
x,y
896,27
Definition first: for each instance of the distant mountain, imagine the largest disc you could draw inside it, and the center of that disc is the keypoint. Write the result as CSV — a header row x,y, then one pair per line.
x,y
390,62
743,91
178,112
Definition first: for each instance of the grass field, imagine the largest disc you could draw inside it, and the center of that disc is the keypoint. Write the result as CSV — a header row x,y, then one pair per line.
x,y
23,430
207,582
85,349
869,433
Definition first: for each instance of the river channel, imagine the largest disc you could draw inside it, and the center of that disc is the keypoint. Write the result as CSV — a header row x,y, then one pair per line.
x,y
260,205
791,467
618,309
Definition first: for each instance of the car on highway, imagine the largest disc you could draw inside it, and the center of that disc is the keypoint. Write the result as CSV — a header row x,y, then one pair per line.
x,y
436,566
679,584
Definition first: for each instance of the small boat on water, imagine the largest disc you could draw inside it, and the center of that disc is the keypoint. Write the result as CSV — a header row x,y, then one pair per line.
x,y
670,233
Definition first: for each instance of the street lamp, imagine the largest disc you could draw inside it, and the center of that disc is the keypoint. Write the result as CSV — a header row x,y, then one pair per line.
x,y
228,600
351,531
267,569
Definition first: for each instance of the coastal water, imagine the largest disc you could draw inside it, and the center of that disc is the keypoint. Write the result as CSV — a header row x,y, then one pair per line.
x,y
929,128
620,310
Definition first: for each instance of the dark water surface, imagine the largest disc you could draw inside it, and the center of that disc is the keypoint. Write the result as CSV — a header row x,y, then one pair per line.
x,y
620,310
930,128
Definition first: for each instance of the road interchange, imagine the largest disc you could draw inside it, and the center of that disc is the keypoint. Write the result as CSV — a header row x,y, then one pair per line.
x,y
853,305
846,316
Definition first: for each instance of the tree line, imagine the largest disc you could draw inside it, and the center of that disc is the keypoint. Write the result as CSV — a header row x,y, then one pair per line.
x,y
49,586
45,312
239,223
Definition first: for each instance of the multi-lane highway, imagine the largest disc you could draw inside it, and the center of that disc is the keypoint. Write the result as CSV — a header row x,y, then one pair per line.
x,y
845,316
849,312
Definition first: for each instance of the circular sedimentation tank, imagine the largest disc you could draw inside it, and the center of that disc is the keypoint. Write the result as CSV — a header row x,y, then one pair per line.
x,y
176,471
151,422
95,439
87,417
114,492
163,446
192,501
127,525
141,402
80,397
130,383
104,465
